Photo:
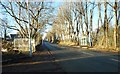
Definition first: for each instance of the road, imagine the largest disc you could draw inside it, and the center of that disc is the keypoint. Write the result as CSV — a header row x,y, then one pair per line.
x,y
73,59
56,58
41,61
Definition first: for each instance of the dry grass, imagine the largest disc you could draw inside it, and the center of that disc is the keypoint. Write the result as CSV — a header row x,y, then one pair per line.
x,y
68,43
96,48
103,49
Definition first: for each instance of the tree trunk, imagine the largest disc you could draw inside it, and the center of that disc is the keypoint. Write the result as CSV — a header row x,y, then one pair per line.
x,y
105,26
115,27
91,12
99,22
86,20
81,25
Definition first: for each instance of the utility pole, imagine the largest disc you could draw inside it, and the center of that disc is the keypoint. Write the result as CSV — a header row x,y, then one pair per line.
x,y
1,34
5,23
30,48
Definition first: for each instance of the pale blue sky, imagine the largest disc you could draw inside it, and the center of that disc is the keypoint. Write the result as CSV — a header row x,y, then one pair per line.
x,y
56,4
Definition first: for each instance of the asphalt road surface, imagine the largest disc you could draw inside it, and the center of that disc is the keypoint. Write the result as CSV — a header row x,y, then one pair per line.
x,y
56,58
74,59
41,61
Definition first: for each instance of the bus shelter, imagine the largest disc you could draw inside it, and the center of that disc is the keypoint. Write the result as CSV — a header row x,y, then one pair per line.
x,y
84,41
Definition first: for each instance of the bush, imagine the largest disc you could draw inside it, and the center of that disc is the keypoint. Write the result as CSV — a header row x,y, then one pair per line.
x,y
7,45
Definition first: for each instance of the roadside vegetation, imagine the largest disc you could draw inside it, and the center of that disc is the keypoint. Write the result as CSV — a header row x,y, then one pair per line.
x,y
76,19
8,54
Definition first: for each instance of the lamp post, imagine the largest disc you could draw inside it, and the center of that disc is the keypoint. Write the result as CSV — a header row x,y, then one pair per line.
x,y
30,48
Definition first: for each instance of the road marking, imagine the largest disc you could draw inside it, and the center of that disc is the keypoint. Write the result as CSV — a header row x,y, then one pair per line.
x,y
88,53
73,58
28,63
116,60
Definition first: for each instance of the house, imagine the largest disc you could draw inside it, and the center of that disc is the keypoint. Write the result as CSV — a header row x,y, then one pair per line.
x,y
13,36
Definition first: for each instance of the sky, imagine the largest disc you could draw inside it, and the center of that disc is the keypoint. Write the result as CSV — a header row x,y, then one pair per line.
x,y
95,13
9,19
56,4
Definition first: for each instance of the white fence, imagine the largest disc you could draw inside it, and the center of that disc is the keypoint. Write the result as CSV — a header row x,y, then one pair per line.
x,y
22,44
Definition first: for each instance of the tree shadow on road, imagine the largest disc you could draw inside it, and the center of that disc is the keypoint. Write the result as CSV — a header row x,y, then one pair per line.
x,y
41,61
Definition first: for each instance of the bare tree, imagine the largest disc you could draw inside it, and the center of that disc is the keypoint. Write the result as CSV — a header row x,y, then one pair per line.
x,y
75,21
115,8
86,17
91,19
3,27
39,13
65,20
116,25
105,25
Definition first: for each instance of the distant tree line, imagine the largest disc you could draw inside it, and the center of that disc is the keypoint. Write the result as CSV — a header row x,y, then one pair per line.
x,y
75,19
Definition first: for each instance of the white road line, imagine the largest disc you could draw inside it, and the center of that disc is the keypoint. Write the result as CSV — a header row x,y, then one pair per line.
x,y
88,53
116,60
